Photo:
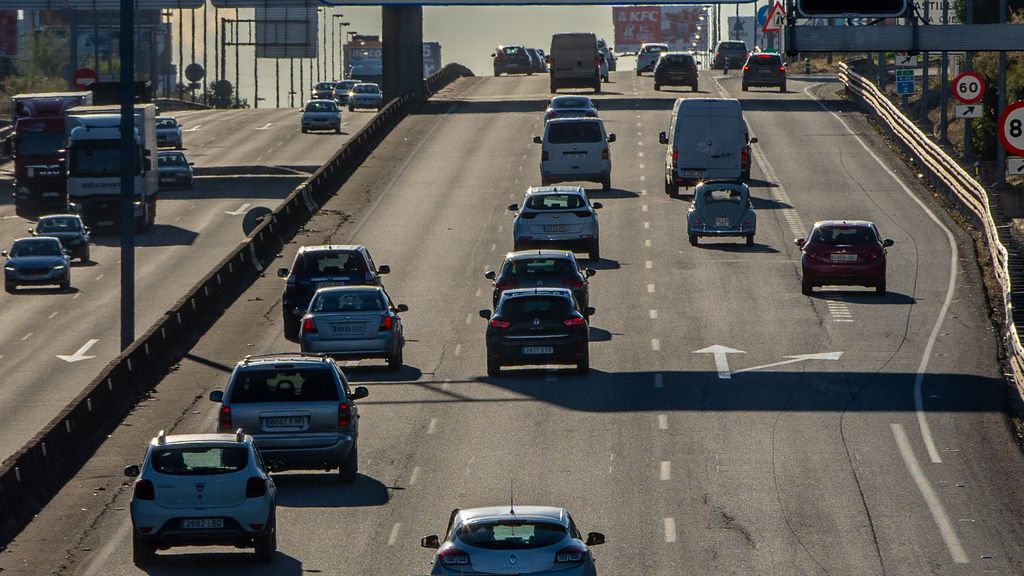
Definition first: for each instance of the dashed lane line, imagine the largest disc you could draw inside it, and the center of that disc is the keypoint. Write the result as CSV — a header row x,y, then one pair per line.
x,y
652,314
670,529
840,311
666,470
662,422
432,426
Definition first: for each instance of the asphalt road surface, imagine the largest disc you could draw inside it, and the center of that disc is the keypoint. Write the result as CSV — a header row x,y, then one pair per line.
x,y
886,452
245,160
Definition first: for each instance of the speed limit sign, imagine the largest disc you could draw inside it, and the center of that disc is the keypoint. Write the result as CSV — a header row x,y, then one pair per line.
x,y
968,87
1011,128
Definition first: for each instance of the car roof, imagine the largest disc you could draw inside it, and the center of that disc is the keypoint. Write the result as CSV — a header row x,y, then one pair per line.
x,y
547,513
574,120
565,97
852,223
366,84
169,153
48,216
37,239
332,248
194,439
525,254
342,289
532,190
521,292
284,358
722,183
320,100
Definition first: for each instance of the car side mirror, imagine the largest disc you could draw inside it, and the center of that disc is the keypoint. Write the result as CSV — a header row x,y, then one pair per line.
x,y
402,307
359,393
597,205
887,242
699,63
800,242
537,140
752,140
663,138
513,207
590,272
32,231
485,314
67,253
490,275
191,163
431,541
589,311
492,56
611,138
8,147
384,269
86,229
217,396
282,272
595,538
132,471
3,253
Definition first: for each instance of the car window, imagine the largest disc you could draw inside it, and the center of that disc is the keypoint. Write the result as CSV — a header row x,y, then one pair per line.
x,y
194,461
766,59
367,89
325,86
328,263
348,301
166,123
683,59
555,202
323,106
171,160
33,247
512,50
511,534
67,224
283,385
843,236
571,132
653,48
541,266
543,307
571,103
732,46
723,195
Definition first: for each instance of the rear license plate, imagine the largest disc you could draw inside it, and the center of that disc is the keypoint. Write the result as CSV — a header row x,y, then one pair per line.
x,y
764,72
202,523
556,228
51,194
105,223
843,257
575,155
346,327
537,350
330,284
692,172
722,222
285,422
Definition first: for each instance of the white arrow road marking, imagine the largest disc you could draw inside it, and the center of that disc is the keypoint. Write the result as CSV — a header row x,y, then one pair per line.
x,y
79,355
241,210
721,358
194,128
265,126
792,360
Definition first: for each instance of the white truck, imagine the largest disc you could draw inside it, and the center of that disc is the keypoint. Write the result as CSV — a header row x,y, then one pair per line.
x,y
94,164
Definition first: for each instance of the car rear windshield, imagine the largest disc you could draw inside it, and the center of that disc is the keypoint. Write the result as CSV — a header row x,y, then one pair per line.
x,y
329,263
321,107
572,132
367,89
723,195
653,48
543,307
555,202
843,236
678,59
283,385
732,46
166,123
513,51
325,86
541,267
765,60
171,160
195,461
571,103
511,534
348,301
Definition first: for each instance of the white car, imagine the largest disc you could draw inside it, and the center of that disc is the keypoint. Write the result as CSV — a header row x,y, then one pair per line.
x,y
557,217
574,149
365,95
648,56
202,490
321,115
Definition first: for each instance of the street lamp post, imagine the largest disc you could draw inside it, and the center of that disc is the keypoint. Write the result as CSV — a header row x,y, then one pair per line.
x,y
334,68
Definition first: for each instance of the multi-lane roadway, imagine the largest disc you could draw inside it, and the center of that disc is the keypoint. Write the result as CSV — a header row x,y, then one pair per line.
x,y
729,425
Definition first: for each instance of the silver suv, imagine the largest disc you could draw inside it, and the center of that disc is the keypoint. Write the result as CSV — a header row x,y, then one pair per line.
x,y
557,217
298,408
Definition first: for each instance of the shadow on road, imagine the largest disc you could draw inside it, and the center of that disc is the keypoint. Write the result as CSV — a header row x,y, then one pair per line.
x,y
599,194
325,490
177,561
862,296
158,235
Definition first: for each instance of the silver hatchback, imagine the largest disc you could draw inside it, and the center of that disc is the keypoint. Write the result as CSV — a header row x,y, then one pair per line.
x,y
557,217
354,322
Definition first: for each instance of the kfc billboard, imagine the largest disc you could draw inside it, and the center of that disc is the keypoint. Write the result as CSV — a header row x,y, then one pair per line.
x,y
679,27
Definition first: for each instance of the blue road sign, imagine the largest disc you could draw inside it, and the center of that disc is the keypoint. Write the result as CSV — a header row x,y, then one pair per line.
x,y
906,87
762,15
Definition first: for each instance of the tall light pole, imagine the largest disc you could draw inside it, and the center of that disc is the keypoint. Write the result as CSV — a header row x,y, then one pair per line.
x,y
341,40
334,68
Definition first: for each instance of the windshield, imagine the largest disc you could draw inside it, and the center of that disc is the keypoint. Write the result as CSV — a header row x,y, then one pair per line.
x,y
348,301
723,195
512,50
344,86
325,86
195,461
571,103
511,534
541,267
40,143
102,160
684,59
284,385
329,263
59,224
555,202
367,89
732,46
321,107
653,48
843,235
36,247
542,307
176,159
573,132
166,123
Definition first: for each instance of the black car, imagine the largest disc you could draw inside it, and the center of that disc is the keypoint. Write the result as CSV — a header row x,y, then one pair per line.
x,y
539,65
68,228
512,60
729,54
537,326
676,69
764,70
319,267
542,269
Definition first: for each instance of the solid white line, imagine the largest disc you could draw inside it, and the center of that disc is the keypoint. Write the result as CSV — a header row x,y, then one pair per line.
x,y
26,336
931,498
659,380
666,470
432,426
653,314
415,475
469,317
100,277
647,225
650,288
922,420
655,344
670,529
662,422
75,297
394,534
494,247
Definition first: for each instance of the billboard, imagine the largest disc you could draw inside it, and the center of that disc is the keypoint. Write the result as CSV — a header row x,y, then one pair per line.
x,y
743,28
431,58
681,27
286,32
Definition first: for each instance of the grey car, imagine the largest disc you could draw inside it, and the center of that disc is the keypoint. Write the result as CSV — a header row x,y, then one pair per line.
x,y
354,322
299,410
721,208
174,170
574,106
321,115
39,261
557,217
365,95
540,540
168,132
69,229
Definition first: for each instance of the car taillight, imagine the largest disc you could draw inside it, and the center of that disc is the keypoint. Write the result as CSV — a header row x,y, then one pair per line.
x,y
255,487
552,115
385,323
573,553
604,154
544,156
454,556
308,326
746,68
675,156
224,419
591,114
744,157
144,490
344,415
572,283
597,62
574,321
506,284
495,323
872,255
814,255
717,53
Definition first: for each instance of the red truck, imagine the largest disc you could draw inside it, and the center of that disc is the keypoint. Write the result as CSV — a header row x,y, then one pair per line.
x,y
38,145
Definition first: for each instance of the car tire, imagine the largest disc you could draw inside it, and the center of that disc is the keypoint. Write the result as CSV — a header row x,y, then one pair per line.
x,y
496,73
396,360
638,72
693,239
694,87
750,240
143,552
351,108
65,286
304,130
349,469
745,175
583,366
806,288
552,88
597,87
880,288
606,183
10,287
493,367
337,130
86,255
178,147
594,251
671,189
744,86
657,87
291,330
266,544
782,87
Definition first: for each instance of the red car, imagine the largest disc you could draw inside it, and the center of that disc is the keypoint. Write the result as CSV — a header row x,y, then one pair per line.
x,y
843,252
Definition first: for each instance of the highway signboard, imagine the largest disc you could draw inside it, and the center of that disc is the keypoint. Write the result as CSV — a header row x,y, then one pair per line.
x,y
968,87
905,60
968,111
1011,128
84,78
95,4
905,83
1015,166
776,19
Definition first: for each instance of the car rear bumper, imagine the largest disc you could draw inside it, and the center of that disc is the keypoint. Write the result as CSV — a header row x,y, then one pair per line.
x,y
716,231
383,345
50,279
510,351
754,80
234,532
667,80
297,457
870,274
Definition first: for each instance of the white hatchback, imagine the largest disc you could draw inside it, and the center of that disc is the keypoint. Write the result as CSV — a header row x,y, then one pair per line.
x,y
202,490
575,149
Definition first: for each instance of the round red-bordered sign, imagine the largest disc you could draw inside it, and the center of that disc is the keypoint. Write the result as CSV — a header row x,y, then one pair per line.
x,y
1011,128
969,87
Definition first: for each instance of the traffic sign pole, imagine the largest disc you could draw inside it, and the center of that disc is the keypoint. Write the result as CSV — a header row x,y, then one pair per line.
x,y
128,152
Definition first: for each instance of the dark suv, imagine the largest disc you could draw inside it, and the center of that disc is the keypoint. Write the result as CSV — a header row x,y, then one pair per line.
x,y
729,54
537,326
542,268
764,70
512,60
676,69
319,267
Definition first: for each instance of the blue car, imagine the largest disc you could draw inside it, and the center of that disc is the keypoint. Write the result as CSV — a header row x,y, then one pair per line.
x,y
721,208
40,261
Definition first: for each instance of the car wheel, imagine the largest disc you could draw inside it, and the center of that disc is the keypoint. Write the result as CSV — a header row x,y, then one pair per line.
x,y
657,87
597,87
594,253
304,130
143,552
65,286
782,87
638,72
86,255
693,239
337,130
745,175
694,87
880,288
552,89
349,469
744,86
266,545
496,73
583,366
395,361
351,108
750,240
671,189
291,329
10,287
493,367
606,183
806,288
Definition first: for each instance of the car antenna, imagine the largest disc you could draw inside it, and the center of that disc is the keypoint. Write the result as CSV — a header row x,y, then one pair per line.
x,y
511,497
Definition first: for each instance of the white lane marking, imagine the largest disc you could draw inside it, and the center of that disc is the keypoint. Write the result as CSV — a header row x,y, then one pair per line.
x,y
670,529
659,380
54,314
643,192
643,178
195,128
552,375
27,336
721,354
639,143
79,354
639,133
826,356
258,158
931,498
393,537
643,207
639,125
476,295
653,314
640,154
100,277
650,288
662,422
922,420
469,317
796,225
647,243
641,166
494,247
655,344
432,426
666,470
241,210
648,264
177,218
415,475
500,228
265,126
458,349
647,225
75,297
839,311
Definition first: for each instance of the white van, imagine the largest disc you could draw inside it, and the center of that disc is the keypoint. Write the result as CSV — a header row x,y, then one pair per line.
x,y
574,61
707,139
575,149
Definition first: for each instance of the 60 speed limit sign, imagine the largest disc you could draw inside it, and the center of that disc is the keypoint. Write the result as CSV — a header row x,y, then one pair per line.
x,y
1011,128
968,88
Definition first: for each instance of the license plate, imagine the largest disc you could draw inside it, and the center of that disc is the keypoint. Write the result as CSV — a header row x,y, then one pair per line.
x,y
329,284
537,350
346,327
202,523
722,222
105,223
765,72
692,172
51,194
285,422
575,155
843,257
556,228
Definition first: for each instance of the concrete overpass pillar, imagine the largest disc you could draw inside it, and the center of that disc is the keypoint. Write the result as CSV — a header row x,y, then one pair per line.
x,y
402,50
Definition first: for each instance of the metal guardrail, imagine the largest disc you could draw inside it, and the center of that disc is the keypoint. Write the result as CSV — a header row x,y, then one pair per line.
x,y
962,187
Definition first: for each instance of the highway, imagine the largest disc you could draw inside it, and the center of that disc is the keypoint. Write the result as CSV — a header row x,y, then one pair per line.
x,y
844,433
245,159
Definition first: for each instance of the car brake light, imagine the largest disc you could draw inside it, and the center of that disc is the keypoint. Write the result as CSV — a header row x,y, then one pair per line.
x,y
782,68
675,156
224,420
573,553
385,323
746,68
544,156
255,487
744,157
454,556
495,323
144,490
506,284
572,283
308,326
604,154
344,415
574,321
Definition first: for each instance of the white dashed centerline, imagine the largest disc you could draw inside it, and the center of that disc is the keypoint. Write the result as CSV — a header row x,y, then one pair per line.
x,y
653,314
432,426
650,288
670,529
666,470
393,537
662,422
655,344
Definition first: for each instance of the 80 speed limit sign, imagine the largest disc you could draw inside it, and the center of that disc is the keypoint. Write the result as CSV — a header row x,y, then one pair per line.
x,y
968,88
1011,128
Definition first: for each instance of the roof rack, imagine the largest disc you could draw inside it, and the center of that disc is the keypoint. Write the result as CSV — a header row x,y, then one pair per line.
x,y
239,435
161,438
300,355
